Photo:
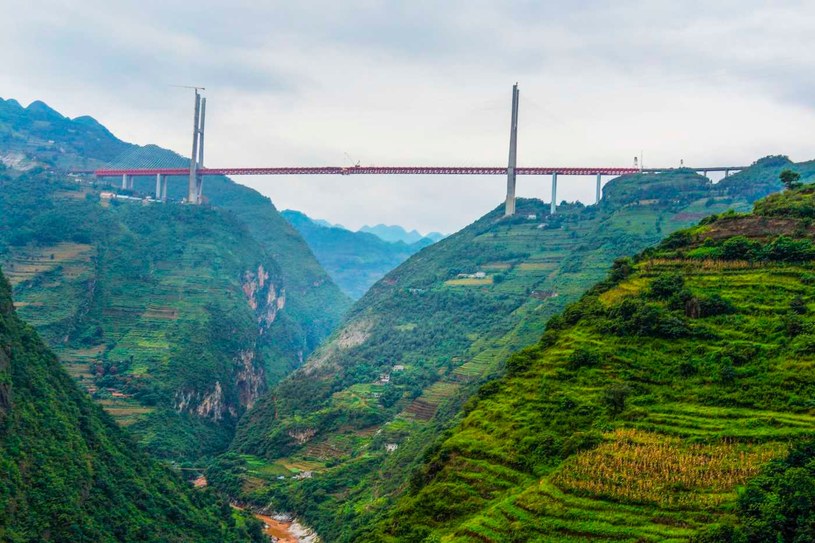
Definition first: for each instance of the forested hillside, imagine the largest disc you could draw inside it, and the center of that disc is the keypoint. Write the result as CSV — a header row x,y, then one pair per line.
x,y
175,318
367,404
70,474
354,260
646,405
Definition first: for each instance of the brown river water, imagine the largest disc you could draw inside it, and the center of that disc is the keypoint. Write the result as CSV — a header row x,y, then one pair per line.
x,y
277,529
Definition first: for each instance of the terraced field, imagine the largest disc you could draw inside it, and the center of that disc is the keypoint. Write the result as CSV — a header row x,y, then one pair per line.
x,y
642,411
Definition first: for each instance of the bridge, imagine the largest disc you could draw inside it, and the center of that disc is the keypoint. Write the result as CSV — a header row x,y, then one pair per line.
x,y
197,171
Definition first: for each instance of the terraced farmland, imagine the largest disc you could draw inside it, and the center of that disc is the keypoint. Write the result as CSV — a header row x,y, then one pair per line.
x,y
643,409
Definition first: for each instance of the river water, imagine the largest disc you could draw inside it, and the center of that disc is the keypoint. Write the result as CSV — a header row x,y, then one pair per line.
x,y
286,530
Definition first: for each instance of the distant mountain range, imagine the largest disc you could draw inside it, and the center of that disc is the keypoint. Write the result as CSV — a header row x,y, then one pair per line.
x,y
354,260
397,233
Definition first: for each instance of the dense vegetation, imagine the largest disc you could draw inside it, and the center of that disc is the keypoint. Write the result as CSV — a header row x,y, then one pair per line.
x,y
354,260
70,474
175,318
367,404
648,404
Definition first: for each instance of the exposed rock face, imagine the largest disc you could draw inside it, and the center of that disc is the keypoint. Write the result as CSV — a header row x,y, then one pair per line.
x,y
249,379
265,298
302,436
210,405
354,334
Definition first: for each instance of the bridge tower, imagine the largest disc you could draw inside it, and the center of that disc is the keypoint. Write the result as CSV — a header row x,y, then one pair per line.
x,y
509,206
197,155
200,179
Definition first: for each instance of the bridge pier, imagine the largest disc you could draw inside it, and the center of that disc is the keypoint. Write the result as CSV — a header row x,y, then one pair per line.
x,y
164,189
598,192
124,181
554,193
158,186
509,206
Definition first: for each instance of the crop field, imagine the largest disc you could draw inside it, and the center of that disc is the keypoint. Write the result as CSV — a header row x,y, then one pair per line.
x,y
26,263
638,467
469,282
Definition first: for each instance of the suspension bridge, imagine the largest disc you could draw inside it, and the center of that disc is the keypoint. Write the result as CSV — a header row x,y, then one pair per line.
x,y
196,171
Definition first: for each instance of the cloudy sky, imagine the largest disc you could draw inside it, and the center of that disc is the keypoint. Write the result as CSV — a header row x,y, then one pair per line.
x,y
426,83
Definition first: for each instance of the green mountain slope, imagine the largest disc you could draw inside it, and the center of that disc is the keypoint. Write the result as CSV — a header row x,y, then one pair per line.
x,y
69,473
176,319
369,402
354,260
647,404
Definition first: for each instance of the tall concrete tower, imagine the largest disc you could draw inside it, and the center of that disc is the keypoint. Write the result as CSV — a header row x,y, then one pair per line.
x,y
509,207
192,189
200,178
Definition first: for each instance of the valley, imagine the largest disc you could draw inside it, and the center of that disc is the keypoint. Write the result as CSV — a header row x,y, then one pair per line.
x,y
310,273
370,402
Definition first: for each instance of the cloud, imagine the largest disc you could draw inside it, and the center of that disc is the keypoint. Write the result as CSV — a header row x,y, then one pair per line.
x,y
385,82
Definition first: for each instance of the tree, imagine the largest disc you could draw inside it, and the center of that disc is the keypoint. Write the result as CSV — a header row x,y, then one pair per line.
x,y
790,179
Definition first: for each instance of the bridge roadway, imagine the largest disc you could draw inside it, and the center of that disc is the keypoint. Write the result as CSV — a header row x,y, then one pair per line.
x,y
394,170
161,174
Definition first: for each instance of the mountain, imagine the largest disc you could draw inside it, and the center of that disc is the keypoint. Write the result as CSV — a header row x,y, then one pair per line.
x,y
69,473
354,260
175,318
646,406
365,407
397,233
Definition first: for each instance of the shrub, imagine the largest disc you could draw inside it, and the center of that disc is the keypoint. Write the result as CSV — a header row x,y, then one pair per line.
x,y
740,248
798,306
715,305
634,317
666,285
614,398
787,249
583,358
682,238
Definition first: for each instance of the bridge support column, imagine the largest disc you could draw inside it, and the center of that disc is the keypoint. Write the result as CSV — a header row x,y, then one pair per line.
x,y
599,191
158,186
124,181
164,189
727,173
509,206
554,193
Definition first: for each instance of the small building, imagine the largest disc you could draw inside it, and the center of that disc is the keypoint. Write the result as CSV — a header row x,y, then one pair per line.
x,y
532,217
479,275
398,367
390,447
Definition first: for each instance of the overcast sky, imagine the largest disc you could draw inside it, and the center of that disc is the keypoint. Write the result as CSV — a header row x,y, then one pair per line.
x,y
426,83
